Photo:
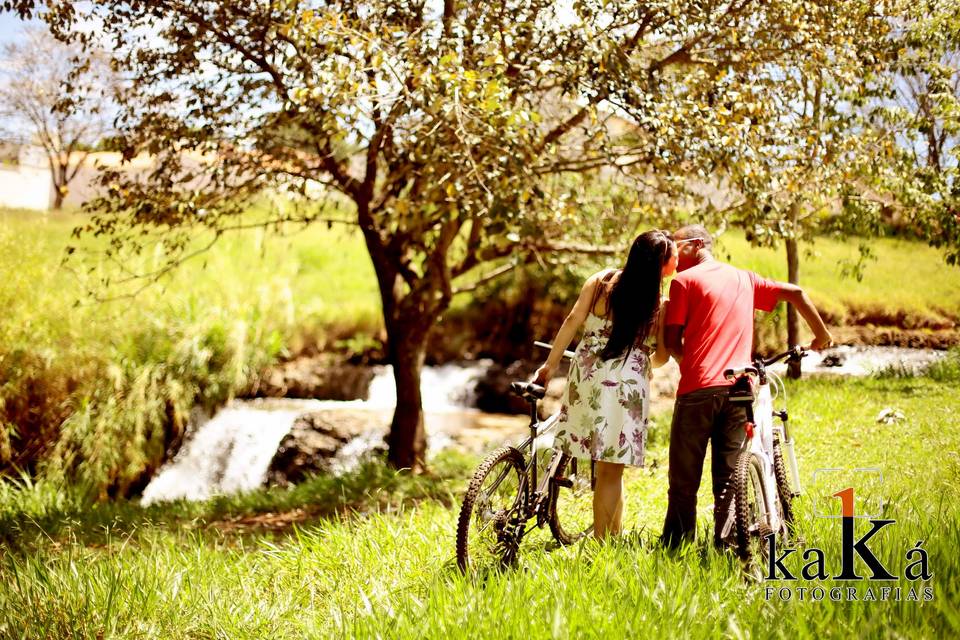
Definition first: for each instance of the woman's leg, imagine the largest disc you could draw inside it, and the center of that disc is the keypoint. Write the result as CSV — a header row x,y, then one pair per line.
x,y
607,500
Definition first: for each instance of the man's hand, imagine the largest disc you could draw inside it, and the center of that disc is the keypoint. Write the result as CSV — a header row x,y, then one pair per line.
x,y
542,376
821,342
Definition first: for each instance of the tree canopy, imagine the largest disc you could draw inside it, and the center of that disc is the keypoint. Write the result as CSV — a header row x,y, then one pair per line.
x,y
464,137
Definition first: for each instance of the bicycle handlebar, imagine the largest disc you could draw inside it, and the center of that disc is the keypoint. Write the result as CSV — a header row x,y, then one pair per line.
x,y
792,355
543,345
528,390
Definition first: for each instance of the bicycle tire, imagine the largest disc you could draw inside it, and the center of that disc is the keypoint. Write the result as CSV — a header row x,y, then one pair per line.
x,y
475,509
747,483
572,504
784,492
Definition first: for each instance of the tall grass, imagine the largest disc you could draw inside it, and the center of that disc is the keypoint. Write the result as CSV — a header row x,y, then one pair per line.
x,y
96,391
370,555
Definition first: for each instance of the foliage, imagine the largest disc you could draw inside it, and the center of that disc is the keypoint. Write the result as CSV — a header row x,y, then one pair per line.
x,y
53,97
383,567
451,132
921,109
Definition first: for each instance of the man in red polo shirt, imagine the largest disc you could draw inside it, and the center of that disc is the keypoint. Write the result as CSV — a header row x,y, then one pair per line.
x,y
709,328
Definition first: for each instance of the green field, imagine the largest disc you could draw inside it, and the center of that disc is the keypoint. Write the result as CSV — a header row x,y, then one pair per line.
x,y
94,387
96,390
370,554
76,374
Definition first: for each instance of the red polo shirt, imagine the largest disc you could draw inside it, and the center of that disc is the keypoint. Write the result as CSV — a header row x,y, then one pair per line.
x,y
714,302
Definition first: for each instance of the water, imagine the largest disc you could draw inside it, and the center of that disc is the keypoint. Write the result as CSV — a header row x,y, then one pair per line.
x,y
232,452
446,388
862,361
228,453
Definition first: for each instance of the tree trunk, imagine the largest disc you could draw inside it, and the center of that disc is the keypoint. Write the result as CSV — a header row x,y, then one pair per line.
x,y
59,176
57,196
407,440
793,325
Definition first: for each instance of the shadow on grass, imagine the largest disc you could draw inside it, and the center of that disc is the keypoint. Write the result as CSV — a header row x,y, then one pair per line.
x,y
34,514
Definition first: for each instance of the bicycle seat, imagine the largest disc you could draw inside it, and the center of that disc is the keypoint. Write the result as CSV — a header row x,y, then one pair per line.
x,y
741,391
528,390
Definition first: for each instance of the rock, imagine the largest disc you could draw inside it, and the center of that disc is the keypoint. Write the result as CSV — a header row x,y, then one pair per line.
x,y
832,360
316,439
320,377
890,415
492,392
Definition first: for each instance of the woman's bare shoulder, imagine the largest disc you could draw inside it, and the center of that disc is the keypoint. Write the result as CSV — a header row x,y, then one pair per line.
x,y
604,274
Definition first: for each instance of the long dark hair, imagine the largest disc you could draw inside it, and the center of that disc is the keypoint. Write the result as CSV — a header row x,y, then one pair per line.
x,y
635,297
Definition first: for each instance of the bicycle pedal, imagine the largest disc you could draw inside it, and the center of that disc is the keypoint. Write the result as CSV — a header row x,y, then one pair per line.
x,y
564,482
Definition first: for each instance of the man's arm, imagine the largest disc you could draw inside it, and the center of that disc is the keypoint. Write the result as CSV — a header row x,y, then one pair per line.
x,y
801,301
673,339
676,319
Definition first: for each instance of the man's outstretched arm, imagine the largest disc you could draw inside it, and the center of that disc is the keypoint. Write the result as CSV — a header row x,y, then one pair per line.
x,y
801,301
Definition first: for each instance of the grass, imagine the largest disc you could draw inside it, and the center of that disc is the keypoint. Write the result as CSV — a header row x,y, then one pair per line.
x,y
77,375
370,554
907,279
127,372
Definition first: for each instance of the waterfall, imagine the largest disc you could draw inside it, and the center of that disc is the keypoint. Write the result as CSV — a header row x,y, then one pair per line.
x,y
232,451
448,387
228,453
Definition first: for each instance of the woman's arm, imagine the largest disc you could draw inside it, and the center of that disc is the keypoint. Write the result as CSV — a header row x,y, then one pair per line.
x,y
568,329
661,355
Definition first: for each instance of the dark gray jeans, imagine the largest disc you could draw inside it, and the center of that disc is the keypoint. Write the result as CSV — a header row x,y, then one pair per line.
x,y
699,417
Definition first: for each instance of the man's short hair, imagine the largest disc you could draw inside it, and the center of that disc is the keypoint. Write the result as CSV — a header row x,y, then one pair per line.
x,y
694,231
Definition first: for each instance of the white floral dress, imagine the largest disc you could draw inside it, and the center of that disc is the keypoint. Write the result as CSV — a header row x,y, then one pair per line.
x,y
607,402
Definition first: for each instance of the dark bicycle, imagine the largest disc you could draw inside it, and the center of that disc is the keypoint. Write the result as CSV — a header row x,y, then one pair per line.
x,y
516,490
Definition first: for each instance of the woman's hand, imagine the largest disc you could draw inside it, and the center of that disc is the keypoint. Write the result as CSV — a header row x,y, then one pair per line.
x,y
542,376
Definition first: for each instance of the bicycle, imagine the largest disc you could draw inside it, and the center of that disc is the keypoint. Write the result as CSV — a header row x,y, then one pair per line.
x,y
763,492
509,489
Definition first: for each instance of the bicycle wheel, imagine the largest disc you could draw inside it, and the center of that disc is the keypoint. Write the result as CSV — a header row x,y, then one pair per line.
x,y
784,491
751,508
485,532
571,500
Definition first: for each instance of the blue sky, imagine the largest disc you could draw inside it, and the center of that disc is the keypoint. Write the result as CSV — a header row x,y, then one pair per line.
x,y
11,28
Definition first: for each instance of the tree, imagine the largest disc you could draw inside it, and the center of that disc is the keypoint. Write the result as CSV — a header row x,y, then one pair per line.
x,y
803,173
921,112
62,102
461,137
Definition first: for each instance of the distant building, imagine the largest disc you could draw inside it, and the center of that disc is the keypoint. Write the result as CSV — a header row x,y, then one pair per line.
x,y
28,183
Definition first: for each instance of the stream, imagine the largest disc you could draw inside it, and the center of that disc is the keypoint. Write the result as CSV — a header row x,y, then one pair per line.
x,y
231,452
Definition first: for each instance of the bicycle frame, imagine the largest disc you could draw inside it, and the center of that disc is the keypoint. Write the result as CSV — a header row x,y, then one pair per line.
x,y
540,439
761,430
759,440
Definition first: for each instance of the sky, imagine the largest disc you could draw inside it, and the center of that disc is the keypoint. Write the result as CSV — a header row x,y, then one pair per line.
x,y
11,28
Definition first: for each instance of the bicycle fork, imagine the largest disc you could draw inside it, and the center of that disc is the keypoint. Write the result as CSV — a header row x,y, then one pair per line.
x,y
789,453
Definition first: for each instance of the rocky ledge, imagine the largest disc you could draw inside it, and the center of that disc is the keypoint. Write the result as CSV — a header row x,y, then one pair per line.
x,y
318,438
323,377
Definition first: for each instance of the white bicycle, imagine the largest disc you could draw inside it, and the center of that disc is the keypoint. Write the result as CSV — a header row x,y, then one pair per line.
x,y
763,489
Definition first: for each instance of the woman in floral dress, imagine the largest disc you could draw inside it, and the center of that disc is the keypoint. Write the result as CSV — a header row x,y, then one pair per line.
x,y
605,408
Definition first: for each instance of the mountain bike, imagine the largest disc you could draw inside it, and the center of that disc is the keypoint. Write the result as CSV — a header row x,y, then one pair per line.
x,y
763,490
517,490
